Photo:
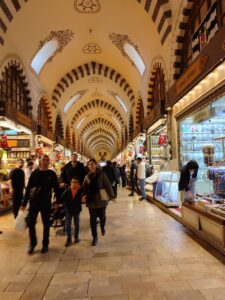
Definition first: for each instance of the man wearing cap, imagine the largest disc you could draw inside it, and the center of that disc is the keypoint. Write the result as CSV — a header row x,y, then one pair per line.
x,y
73,169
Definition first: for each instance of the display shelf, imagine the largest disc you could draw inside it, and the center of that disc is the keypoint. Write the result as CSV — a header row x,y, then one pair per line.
x,y
167,189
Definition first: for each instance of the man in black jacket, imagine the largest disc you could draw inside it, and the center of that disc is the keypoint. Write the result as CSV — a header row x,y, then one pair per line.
x,y
133,178
73,169
17,184
39,195
188,176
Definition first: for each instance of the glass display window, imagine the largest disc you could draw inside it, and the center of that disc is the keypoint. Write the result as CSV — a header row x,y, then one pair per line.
x,y
167,188
202,138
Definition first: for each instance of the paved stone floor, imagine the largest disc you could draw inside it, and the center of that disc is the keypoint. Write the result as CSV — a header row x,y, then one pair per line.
x,y
145,254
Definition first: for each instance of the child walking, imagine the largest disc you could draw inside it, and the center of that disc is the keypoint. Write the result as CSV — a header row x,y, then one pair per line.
x,y
72,199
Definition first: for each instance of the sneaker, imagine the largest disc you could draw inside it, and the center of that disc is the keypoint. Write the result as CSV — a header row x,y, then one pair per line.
x,y
76,240
131,194
94,241
44,249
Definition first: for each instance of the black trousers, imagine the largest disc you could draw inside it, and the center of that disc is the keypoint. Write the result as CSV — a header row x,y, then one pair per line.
x,y
17,201
124,180
94,215
32,218
115,190
134,185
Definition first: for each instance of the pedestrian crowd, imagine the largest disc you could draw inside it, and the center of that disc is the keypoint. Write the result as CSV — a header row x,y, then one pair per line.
x,y
76,186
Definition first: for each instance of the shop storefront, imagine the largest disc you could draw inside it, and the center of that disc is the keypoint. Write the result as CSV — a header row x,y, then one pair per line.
x,y
198,112
44,146
158,144
139,145
16,143
58,157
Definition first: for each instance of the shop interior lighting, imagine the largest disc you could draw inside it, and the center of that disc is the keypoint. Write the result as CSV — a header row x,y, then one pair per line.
x,y
71,102
6,123
135,57
42,56
215,78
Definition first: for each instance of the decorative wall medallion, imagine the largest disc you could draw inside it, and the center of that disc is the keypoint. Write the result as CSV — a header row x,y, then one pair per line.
x,y
97,94
95,79
87,6
92,48
62,36
119,40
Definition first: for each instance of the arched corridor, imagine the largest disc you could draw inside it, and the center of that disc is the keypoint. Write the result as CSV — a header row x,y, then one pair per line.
x,y
100,95
145,254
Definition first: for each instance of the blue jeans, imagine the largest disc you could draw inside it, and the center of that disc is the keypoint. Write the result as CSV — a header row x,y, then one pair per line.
x,y
142,188
76,219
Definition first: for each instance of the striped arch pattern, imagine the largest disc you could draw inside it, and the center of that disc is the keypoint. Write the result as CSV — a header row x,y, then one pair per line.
x,y
103,141
8,62
8,10
180,32
59,131
101,131
48,109
96,104
89,69
68,136
100,121
101,137
161,15
131,127
152,84
101,144
74,144
139,111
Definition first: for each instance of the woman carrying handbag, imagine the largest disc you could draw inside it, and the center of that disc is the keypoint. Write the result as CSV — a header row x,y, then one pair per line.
x,y
97,192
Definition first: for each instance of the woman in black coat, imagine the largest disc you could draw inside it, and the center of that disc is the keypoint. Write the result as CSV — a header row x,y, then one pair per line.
x,y
97,191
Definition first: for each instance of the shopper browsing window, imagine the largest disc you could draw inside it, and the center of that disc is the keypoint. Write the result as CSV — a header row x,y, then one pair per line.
x,y
188,177
17,184
97,190
72,199
39,195
141,175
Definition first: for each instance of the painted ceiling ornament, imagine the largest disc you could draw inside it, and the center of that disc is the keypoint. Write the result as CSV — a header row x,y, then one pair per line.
x,y
62,36
97,94
92,48
87,6
95,79
119,40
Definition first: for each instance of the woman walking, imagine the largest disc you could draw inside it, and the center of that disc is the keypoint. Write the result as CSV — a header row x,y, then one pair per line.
x,y
97,191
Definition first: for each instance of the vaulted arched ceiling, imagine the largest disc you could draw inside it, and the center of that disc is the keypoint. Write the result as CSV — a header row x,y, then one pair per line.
x,y
91,59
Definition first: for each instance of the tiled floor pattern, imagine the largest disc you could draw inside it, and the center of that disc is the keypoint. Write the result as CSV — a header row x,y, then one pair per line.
x,y
145,254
